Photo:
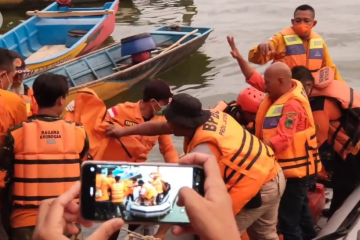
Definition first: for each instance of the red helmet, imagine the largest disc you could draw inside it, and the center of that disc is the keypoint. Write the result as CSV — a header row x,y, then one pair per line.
x,y
64,2
249,99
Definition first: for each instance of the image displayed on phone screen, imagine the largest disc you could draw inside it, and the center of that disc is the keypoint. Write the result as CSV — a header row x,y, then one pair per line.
x,y
141,193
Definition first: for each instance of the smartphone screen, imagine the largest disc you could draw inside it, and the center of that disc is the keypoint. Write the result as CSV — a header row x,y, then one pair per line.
x,y
142,193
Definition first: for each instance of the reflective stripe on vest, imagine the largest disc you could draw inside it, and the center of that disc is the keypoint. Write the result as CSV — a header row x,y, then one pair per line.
x,y
301,158
273,116
47,160
297,55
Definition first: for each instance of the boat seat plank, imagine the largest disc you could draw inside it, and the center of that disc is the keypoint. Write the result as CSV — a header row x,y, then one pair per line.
x,y
67,21
46,51
59,14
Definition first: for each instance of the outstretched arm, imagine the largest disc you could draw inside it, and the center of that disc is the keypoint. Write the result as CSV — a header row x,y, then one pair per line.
x,y
151,128
252,76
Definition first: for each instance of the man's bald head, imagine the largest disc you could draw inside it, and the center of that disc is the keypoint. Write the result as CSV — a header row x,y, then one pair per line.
x,y
278,79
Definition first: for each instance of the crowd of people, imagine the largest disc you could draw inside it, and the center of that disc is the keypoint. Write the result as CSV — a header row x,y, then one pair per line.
x,y
267,145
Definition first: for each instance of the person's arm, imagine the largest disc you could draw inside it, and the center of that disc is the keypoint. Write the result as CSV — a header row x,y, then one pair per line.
x,y
322,130
151,128
257,81
287,126
167,149
327,62
83,154
257,57
6,159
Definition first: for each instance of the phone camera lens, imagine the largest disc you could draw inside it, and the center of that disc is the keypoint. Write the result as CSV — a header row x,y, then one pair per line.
x,y
92,169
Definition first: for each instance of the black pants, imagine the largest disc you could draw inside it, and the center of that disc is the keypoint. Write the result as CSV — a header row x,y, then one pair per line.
x,y
295,218
344,180
119,206
104,210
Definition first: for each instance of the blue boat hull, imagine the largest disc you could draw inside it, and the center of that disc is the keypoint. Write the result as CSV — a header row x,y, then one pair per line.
x,y
42,40
96,70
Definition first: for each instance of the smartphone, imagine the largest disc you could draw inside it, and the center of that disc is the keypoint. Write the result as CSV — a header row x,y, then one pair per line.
x,y
137,192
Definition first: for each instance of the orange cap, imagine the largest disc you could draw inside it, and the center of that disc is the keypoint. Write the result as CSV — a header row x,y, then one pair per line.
x,y
249,99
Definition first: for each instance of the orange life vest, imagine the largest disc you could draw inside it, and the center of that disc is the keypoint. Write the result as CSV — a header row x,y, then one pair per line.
x,y
102,188
344,134
47,163
128,114
301,158
90,111
246,163
297,55
157,183
118,192
150,191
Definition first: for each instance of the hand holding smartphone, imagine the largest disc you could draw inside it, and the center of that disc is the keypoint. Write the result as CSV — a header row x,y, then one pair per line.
x,y
137,192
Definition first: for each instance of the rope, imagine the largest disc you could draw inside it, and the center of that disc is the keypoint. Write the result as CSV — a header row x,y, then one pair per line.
x,y
136,236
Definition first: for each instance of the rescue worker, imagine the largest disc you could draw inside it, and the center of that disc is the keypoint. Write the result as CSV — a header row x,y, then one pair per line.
x,y
147,194
156,96
289,129
12,112
296,45
253,178
336,110
21,89
32,156
118,196
245,108
157,183
102,197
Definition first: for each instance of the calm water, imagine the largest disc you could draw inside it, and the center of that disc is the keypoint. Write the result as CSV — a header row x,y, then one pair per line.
x,y
211,74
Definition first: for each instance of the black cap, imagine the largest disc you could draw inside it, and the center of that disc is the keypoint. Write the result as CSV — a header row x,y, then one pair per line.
x,y
158,90
186,110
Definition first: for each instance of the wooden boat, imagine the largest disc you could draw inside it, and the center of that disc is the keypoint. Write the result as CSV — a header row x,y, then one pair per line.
x,y
17,4
56,35
100,71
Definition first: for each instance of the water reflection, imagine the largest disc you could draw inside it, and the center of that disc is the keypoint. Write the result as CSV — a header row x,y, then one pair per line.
x,y
189,73
12,19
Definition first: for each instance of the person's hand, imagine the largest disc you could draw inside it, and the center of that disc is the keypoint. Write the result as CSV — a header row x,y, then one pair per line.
x,y
234,51
266,48
211,217
71,106
114,131
59,214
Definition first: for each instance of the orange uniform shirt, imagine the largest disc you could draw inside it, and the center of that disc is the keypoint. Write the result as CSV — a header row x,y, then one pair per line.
x,y
293,117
